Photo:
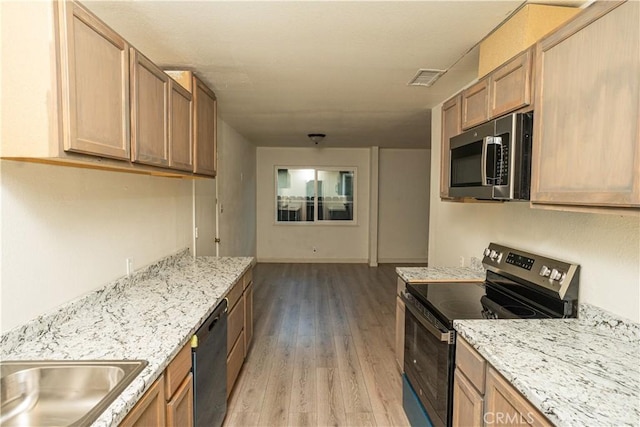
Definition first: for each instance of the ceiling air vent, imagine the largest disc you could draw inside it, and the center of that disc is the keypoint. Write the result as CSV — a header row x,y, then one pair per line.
x,y
426,77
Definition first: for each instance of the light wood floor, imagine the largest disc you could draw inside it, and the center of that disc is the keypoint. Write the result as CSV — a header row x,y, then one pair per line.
x,y
323,349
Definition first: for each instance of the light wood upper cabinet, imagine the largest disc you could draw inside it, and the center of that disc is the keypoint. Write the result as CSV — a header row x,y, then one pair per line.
x,y
510,85
95,84
180,128
205,128
506,89
149,112
586,149
451,126
475,104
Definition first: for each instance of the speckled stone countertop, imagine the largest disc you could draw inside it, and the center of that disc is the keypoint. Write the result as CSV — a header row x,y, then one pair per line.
x,y
441,274
577,372
150,315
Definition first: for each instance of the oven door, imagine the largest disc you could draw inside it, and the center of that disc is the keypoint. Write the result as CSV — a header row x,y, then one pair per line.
x,y
429,355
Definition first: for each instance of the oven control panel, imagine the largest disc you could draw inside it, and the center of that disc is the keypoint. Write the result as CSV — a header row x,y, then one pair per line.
x,y
520,261
556,276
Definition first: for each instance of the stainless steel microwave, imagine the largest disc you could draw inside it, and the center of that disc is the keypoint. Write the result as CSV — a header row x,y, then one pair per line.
x,y
493,161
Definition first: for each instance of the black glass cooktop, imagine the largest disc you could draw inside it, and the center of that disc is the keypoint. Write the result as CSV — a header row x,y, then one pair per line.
x,y
496,298
451,300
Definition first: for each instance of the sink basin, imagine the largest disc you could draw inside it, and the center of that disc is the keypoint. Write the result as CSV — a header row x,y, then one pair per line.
x,y
61,393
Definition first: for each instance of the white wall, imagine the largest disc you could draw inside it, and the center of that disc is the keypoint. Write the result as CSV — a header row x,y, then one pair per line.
x,y
66,231
403,215
606,246
236,193
295,242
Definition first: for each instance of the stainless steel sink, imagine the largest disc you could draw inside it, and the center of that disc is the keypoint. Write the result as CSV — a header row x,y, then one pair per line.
x,y
61,393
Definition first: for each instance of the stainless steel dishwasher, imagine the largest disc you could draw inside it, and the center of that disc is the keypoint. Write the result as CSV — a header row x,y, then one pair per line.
x,y
209,352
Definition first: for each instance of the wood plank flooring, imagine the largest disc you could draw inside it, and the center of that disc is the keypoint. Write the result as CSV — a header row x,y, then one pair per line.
x,y
323,349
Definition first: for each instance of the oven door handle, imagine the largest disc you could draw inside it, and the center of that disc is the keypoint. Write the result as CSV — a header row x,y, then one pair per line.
x,y
443,336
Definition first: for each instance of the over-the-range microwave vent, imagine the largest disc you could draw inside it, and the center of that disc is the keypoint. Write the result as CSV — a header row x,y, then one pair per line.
x,y
426,77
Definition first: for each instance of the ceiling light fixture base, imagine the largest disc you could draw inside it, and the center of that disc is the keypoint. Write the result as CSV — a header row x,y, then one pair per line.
x,y
316,137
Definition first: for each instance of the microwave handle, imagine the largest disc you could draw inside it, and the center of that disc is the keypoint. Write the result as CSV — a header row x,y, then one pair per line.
x,y
485,148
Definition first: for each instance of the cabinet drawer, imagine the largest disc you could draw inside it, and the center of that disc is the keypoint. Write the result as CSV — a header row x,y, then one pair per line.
x,y
470,363
177,370
235,323
234,363
234,294
247,278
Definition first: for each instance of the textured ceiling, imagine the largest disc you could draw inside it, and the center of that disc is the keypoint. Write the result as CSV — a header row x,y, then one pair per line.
x,y
284,69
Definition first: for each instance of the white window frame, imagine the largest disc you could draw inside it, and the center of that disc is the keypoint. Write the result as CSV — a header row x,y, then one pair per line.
x,y
316,221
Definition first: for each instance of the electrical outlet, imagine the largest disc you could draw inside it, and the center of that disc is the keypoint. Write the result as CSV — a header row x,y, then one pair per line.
x,y
129,266
196,232
461,261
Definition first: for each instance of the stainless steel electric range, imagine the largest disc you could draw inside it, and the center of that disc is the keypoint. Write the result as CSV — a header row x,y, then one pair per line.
x,y
518,285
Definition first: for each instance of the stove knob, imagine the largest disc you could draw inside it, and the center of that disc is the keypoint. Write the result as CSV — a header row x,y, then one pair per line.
x,y
555,274
493,255
487,251
544,271
499,257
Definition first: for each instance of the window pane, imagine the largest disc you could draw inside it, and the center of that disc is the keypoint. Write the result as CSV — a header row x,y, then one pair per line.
x,y
296,192
335,195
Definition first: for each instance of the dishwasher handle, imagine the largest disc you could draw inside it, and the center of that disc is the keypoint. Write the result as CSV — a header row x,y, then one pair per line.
x,y
212,321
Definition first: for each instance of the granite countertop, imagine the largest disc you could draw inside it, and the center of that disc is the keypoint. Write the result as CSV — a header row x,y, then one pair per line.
x,y
441,274
577,372
150,315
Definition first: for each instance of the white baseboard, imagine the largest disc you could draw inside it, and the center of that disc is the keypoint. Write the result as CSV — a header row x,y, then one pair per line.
x,y
402,260
315,260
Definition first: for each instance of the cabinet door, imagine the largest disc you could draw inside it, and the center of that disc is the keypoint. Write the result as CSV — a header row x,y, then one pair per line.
x,y
586,148
180,128
149,112
150,409
467,402
205,116
400,333
234,363
94,68
180,407
475,104
248,317
451,126
504,405
510,85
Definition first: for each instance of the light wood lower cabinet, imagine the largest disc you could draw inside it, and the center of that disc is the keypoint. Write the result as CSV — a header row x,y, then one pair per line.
x,y
586,139
239,326
169,401
150,409
467,402
504,405
248,317
180,407
400,313
482,397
